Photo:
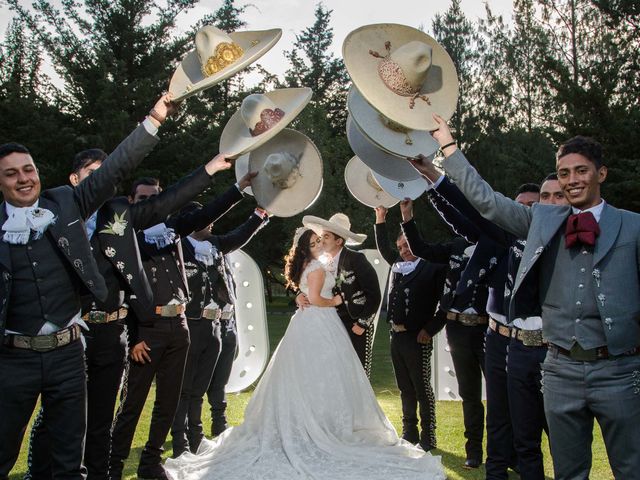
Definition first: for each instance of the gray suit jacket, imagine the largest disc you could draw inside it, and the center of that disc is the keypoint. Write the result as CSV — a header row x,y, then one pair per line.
x,y
616,257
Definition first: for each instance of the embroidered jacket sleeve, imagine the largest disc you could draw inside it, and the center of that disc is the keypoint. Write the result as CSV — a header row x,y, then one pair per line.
x,y
241,235
457,221
382,242
100,186
432,252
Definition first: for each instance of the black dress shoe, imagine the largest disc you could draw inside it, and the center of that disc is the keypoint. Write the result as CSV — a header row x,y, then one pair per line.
x,y
470,463
426,446
155,472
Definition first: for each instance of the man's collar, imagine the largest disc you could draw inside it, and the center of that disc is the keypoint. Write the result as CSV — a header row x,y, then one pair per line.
x,y
336,259
595,210
12,208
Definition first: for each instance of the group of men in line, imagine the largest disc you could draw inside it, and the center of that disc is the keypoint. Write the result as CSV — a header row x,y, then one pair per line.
x,y
77,258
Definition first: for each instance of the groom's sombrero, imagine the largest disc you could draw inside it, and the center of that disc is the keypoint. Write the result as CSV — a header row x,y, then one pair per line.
x,y
217,56
338,223
387,134
364,187
289,176
261,117
403,73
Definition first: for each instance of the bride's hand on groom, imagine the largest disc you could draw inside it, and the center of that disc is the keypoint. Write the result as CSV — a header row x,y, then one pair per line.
x,y
357,329
337,300
302,301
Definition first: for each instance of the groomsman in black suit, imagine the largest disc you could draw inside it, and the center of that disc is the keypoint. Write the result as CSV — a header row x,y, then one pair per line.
x,y
415,286
211,302
46,264
111,231
161,341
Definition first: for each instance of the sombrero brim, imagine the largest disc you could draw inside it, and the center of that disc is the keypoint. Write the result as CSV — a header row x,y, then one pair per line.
x,y
440,86
400,190
318,225
378,160
405,144
295,199
242,168
355,176
236,139
188,78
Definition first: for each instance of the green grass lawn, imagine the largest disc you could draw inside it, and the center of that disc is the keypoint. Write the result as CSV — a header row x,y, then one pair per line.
x,y
449,415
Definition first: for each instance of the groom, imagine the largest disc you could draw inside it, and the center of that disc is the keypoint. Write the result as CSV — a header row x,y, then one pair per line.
x,y
356,281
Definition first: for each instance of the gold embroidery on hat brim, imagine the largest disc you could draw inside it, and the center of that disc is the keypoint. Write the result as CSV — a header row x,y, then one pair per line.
x,y
396,127
374,183
225,54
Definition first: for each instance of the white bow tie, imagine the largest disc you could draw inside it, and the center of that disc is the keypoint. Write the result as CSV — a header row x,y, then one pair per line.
x,y
160,235
205,252
23,220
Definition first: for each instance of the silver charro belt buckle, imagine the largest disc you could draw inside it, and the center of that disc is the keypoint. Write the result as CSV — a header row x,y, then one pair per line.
x,y
96,316
211,313
532,338
43,343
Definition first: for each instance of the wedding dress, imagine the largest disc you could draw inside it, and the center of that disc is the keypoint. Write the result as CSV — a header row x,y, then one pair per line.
x,y
313,415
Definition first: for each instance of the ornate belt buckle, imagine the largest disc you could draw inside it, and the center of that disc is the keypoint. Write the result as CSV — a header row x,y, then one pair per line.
x,y
531,338
43,343
96,316
170,310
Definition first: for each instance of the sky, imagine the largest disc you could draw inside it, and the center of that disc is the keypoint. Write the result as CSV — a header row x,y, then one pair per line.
x,y
293,16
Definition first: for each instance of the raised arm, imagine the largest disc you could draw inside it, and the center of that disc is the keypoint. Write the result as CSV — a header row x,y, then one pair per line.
x,y
382,237
241,235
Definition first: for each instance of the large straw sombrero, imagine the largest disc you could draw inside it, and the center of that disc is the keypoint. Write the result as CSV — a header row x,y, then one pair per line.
x,y
217,56
364,186
241,167
289,176
400,190
387,134
378,160
261,117
403,73
338,223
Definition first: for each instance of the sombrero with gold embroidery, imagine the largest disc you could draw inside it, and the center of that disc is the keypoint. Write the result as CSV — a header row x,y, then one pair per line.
x,y
217,56
261,117
403,73
364,187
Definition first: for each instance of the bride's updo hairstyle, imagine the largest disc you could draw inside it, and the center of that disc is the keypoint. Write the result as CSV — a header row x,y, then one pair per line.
x,y
296,259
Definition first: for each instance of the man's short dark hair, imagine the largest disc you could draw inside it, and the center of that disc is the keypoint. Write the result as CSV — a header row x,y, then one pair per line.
x,y
527,188
87,157
150,181
551,176
585,146
12,147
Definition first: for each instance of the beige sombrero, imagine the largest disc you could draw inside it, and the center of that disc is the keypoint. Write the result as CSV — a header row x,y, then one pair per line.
x,y
289,176
241,166
364,186
217,56
261,117
384,163
387,134
400,190
403,73
338,223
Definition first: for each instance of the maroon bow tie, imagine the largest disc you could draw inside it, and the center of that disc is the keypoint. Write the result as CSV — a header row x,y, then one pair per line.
x,y
582,229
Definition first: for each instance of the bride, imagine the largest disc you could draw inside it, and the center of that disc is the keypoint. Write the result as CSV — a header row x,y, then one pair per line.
x,y
313,414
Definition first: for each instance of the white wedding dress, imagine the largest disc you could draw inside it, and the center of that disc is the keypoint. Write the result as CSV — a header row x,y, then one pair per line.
x,y
313,415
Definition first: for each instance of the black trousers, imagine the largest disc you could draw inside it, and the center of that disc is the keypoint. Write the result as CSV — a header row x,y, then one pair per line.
x,y
221,373
500,452
168,339
527,407
187,431
363,345
59,377
412,368
105,358
467,352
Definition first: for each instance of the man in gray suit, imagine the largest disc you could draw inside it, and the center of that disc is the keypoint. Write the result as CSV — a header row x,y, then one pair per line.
x,y
587,259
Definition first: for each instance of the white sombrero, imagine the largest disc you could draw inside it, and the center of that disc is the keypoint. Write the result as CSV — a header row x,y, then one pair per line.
x,y
241,166
217,56
400,190
384,163
403,73
261,117
386,133
338,223
364,186
289,176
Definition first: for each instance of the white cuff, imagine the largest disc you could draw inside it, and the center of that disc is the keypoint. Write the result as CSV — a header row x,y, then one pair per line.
x,y
150,127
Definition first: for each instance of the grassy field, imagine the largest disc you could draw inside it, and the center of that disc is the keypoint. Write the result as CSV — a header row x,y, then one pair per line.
x,y
449,415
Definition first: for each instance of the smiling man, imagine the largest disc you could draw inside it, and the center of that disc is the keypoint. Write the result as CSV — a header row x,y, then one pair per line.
x,y
585,259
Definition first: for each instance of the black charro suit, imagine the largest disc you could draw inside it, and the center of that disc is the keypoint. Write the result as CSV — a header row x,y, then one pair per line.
x,y
358,284
411,306
166,336
207,283
116,252
57,375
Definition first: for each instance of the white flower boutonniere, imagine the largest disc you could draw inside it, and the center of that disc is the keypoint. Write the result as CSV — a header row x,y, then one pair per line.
x,y
340,279
117,226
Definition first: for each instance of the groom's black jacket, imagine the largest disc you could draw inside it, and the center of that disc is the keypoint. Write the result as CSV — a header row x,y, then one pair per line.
x,y
358,284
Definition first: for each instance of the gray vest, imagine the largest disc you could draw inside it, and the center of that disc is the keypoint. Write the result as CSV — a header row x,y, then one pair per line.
x,y
569,310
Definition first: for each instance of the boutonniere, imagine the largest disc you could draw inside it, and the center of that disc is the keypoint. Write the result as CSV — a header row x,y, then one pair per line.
x,y
340,279
117,226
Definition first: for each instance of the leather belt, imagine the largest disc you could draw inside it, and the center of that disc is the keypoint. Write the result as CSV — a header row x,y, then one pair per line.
x,y
44,343
468,319
499,328
529,338
398,328
171,310
96,316
581,355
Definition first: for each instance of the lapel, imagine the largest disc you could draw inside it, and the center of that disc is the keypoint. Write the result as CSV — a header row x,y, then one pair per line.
x,y
5,255
610,223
